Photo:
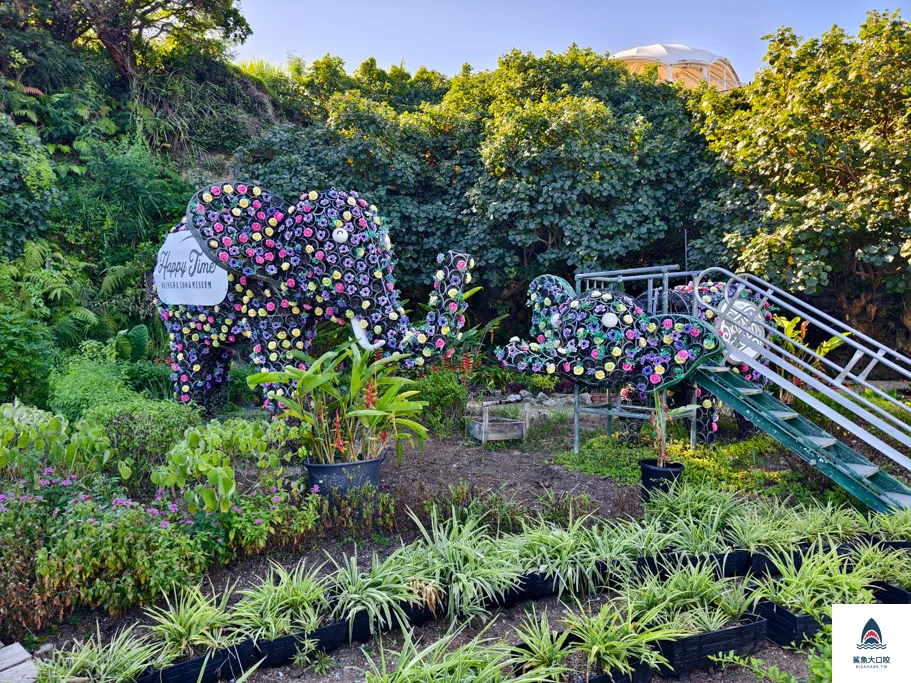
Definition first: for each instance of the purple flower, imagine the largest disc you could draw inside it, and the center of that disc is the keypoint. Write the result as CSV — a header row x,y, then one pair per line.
x,y
258,521
164,523
315,489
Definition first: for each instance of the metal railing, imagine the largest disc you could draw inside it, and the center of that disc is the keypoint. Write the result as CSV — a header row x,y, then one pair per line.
x,y
798,369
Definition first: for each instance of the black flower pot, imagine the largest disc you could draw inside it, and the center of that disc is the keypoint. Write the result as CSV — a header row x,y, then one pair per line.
x,y
694,652
341,477
218,664
656,478
786,628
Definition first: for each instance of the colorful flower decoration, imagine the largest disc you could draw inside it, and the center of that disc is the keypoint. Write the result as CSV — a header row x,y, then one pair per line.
x,y
325,257
605,339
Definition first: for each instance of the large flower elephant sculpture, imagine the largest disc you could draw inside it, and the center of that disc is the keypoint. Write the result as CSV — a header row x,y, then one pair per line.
x,y
290,265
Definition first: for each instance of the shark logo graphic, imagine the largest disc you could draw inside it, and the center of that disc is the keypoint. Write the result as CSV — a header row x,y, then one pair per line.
x,y
872,637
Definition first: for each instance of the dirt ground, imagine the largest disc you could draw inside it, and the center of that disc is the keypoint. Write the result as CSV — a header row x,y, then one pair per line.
x,y
519,474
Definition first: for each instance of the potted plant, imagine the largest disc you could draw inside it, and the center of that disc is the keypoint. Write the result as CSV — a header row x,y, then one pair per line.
x,y
659,473
354,407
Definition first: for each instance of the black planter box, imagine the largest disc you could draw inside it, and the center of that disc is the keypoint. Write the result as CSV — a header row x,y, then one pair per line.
x,y
692,652
229,663
642,673
282,650
895,545
761,563
891,595
786,628
418,614
660,564
532,586
732,563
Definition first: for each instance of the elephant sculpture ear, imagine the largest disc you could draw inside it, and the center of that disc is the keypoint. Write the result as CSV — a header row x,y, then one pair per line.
x,y
546,294
246,229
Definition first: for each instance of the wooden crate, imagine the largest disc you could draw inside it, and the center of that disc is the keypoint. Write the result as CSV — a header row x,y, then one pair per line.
x,y
487,428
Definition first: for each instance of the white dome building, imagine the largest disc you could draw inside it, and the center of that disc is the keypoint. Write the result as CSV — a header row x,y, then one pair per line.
x,y
682,64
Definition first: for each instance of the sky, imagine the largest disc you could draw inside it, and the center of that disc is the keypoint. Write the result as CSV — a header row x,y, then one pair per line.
x,y
444,34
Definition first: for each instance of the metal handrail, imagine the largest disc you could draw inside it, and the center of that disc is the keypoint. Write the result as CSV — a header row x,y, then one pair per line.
x,y
835,389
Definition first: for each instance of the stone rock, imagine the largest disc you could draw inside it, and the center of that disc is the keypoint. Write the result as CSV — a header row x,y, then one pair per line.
x,y
585,398
541,396
46,651
525,393
514,398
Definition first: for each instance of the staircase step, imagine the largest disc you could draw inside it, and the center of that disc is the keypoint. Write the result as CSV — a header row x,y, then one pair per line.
x,y
749,391
865,471
717,368
783,414
903,499
822,441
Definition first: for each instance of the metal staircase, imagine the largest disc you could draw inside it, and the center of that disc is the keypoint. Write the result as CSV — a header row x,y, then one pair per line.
x,y
842,393
847,468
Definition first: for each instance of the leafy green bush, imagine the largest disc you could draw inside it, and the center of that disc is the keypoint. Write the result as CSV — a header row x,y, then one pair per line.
x,y
142,430
239,392
152,380
83,384
25,356
31,439
446,400
209,455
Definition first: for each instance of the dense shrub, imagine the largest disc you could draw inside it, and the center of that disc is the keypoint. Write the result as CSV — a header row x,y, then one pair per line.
x,y
83,384
25,357
141,430
239,392
446,399
152,380
27,186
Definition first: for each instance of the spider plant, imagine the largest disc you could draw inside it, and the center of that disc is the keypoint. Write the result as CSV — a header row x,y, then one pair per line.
x,y
891,526
883,564
645,539
285,602
762,527
439,662
473,568
830,523
704,536
378,593
125,657
615,551
614,642
821,580
541,647
703,619
560,553
696,500
689,586
192,623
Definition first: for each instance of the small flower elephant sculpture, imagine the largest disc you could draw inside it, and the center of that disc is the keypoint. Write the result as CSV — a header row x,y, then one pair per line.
x,y
290,265
605,339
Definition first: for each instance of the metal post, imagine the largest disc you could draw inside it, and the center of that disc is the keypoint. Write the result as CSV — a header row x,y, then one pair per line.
x,y
575,418
693,402
609,426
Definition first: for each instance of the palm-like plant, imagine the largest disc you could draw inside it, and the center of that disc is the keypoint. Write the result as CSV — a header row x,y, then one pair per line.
x,y
561,553
354,405
541,647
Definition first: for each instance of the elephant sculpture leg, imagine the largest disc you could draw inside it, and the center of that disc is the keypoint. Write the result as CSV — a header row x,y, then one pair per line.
x,y
706,416
200,369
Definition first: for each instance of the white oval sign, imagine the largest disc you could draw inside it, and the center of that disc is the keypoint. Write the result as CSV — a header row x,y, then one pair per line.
x,y
740,325
184,273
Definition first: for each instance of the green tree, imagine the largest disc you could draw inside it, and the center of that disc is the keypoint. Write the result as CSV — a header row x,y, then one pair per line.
x,y
823,137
